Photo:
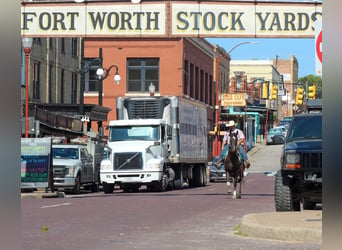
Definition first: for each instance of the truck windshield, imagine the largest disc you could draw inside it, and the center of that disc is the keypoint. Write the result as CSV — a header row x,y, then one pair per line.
x,y
127,133
65,153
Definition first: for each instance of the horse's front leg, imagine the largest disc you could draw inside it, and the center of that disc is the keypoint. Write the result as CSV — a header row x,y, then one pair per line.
x,y
239,194
229,187
234,185
241,178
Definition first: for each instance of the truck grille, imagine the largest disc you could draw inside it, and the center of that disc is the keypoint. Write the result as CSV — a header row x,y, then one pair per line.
x,y
312,161
128,161
60,171
146,108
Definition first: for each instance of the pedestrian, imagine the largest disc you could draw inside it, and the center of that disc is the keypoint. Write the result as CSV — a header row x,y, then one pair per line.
x,y
225,144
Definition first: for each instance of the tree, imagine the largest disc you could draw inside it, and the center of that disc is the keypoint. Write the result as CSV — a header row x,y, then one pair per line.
x,y
312,80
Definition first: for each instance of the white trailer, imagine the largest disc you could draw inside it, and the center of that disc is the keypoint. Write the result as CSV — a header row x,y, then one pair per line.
x,y
160,142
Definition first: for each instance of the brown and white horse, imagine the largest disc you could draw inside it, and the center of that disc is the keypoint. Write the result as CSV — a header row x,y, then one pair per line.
x,y
233,166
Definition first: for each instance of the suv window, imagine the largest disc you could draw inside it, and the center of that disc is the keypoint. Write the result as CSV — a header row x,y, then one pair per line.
x,y
305,127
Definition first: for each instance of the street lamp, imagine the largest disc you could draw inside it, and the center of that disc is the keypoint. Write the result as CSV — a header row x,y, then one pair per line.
x,y
239,44
27,44
103,73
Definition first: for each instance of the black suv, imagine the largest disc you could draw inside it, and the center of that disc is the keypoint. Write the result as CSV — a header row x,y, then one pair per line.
x,y
300,177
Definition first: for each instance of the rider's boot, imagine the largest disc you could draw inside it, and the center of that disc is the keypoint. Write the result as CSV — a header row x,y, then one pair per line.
x,y
218,164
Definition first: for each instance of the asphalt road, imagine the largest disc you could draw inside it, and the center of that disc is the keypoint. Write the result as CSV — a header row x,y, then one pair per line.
x,y
196,218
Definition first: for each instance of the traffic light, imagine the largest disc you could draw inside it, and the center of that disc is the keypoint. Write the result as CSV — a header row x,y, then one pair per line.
x,y
264,94
299,96
312,92
274,92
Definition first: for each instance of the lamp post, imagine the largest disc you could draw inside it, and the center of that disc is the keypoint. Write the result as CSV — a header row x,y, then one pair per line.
x,y
27,44
103,73
217,106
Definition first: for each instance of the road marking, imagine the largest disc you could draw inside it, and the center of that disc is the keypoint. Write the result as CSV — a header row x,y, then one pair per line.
x,y
57,205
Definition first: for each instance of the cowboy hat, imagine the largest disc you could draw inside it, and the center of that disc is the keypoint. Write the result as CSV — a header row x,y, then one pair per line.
x,y
230,123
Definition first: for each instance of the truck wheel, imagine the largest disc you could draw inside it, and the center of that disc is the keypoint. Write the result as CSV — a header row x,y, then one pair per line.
x,y
283,195
205,177
77,188
108,188
161,186
198,176
308,204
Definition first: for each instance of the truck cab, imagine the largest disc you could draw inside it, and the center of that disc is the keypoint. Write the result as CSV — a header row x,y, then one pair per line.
x,y
138,152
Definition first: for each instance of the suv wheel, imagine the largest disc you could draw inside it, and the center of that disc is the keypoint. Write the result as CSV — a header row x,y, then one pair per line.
x,y
283,195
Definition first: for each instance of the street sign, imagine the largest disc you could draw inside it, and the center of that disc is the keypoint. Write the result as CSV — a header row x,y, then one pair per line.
x,y
318,47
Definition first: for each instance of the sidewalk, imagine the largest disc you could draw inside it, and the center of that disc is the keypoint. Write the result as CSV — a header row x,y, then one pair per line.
x,y
40,193
304,226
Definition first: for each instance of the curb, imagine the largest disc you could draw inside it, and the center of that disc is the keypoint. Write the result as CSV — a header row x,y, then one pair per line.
x,y
41,195
305,226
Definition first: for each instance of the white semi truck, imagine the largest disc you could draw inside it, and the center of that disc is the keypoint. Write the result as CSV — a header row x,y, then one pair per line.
x,y
160,142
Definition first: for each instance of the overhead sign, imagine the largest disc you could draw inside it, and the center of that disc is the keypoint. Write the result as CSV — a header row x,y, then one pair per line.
x,y
215,19
318,47
237,99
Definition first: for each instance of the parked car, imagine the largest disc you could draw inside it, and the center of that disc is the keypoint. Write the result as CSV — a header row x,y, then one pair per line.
x,y
284,129
73,167
215,173
275,136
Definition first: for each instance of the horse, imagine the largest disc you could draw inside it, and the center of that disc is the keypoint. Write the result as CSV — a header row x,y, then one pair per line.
x,y
233,166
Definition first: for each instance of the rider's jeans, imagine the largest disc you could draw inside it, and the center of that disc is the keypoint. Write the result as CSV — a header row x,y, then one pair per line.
x,y
225,150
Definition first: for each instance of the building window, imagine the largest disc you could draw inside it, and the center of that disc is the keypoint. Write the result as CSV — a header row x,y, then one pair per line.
x,y
185,76
206,88
191,80
36,83
141,72
197,83
73,88
50,83
51,43
62,86
202,89
74,46
211,90
90,78
62,45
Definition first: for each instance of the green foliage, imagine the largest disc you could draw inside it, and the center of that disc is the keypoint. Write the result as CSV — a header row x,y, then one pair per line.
x,y
237,231
312,80
44,229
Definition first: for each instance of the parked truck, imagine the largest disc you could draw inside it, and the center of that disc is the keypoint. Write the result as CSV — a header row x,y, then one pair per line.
x,y
160,142
77,164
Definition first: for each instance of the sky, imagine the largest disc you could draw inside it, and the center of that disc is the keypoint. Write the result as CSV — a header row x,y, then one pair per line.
x,y
268,48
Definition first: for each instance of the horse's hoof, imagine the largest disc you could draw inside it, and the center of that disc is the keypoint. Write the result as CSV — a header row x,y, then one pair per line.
x,y
238,196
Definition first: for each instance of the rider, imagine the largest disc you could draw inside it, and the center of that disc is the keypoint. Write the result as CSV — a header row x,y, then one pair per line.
x,y
225,144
